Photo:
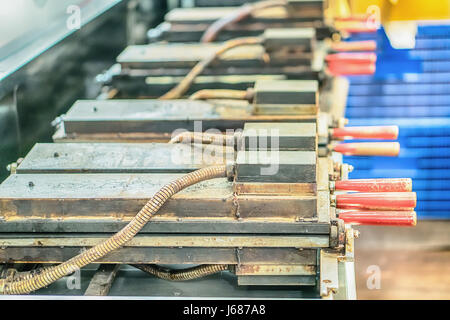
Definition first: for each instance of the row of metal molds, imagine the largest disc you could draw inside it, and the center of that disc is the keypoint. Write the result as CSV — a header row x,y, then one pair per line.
x,y
279,216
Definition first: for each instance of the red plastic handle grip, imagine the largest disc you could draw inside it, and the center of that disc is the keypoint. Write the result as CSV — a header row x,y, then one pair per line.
x,y
377,200
352,57
341,46
387,149
372,132
380,218
375,185
349,69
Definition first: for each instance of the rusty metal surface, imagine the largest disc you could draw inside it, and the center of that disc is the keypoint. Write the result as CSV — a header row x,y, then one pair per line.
x,y
291,166
288,136
167,241
131,116
116,158
123,195
143,84
290,71
102,280
329,277
324,211
325,168
261,256
285,109
303,39
274,188
182,32
168,225
277,280
286,92
176,55
269,15
152,83
280,270
187,55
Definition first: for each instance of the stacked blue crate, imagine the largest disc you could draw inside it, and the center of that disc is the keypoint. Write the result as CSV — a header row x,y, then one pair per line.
x,y
411,88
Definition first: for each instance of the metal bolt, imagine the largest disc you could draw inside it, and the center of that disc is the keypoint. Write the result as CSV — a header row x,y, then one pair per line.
x,y
31,184
56,155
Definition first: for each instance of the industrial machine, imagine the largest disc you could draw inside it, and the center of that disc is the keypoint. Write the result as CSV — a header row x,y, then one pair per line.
x,y
277,222
219,23
281,53
247,181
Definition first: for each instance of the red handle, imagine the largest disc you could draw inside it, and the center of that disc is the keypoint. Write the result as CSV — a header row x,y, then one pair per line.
x,y
380,218
377,201
375,185
372,132
387,149
352,57
350,69
341,46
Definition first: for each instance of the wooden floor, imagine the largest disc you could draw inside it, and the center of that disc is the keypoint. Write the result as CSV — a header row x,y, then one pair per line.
x,y
414,263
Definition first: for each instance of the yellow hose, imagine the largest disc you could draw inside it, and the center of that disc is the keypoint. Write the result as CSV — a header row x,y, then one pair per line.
x,y
182,275
204,138
46,276
184,85
222,94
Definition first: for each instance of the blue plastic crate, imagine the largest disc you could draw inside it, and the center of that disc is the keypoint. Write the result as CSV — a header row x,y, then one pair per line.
x,y
411,88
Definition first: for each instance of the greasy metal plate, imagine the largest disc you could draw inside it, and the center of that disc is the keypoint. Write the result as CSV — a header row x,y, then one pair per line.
x,y
277,280
175,55
297,37
123,195
163,225
276,166
286,92
130,255
165,240
278,269
132,84
124,116
287,136
208,15
116,158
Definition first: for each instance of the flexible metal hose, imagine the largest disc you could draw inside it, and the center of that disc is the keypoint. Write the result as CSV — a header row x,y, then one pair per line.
x,y
220,94
240,14
204,138
223,94
49,275
187,81
182,275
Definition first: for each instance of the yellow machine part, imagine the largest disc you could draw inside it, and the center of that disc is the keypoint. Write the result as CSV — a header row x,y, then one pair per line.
x,y
398,17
